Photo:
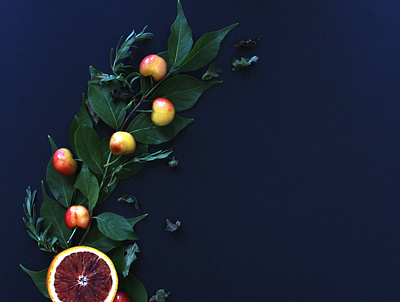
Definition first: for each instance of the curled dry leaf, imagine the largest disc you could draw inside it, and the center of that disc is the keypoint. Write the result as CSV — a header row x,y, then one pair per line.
x,y
172,227
160,296
130,199
243,62
248,43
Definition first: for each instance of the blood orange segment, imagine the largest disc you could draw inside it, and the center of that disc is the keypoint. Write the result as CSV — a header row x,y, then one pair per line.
x,y
82,274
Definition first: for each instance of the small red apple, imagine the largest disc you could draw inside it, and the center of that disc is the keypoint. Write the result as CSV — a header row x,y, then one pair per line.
x,y
122,142
163,112
154,66
63,162
77,216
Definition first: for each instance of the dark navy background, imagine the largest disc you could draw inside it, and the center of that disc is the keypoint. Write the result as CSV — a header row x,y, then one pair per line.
x,y
288,188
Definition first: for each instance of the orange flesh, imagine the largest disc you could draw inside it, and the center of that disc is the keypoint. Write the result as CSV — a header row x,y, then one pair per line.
x,y
84,277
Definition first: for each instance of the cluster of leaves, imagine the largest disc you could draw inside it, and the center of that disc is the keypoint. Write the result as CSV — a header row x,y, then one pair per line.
x,y
117,99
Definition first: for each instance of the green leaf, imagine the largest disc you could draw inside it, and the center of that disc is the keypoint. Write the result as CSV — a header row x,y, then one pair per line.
x,y
182,90
112,113
115,226
53,214
243,62
89,186
61,186
180,41
144,131
82,118
134,288
212,72
117,257
97,240
87,144
205,50
134,221
39,278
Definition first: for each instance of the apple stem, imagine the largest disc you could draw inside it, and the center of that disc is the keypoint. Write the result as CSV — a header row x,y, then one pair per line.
x,y
72,235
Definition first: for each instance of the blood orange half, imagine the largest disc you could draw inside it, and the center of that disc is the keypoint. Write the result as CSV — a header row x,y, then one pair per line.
x,y
82,274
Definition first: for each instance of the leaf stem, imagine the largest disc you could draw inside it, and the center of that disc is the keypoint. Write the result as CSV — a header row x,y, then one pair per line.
x,y
145,96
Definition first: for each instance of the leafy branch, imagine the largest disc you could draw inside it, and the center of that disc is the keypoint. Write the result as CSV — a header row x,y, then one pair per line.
x,y
45,241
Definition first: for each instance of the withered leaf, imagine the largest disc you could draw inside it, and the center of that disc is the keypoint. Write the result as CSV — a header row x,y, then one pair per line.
x,y
172,227
248,43
212,72
130,199
160,296
130,256
243,62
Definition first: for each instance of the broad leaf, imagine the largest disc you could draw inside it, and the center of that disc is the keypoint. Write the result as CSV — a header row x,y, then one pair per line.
x,y
115,226
61,186
117,257
144,131
82,118
53,214
134,288
182,90
96,239
88,185
39,278
205,50
87,144
126,168
180,41
112,113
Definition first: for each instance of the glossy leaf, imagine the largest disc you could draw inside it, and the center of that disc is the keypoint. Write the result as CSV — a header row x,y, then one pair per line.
x,y
117,257
81,118
87,144
183,91
146,132
39,278
88,185
180,41
61,186
97,240
53,214
134,221
133,288
127,169
112,113
205,50
115,226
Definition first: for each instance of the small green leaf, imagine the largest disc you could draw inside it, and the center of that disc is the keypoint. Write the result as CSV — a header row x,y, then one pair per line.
x,y
115,226
112,113
53,214
126,167
182,90
205,50
144,131
39,278
243,62
88,185
180,41
212,72
87,144
133,288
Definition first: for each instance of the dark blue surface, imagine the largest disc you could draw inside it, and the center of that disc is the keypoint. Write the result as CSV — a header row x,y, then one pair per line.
x,y
288,188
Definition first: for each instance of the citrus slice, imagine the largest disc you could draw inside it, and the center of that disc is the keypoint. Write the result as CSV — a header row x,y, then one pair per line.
x,y
82,274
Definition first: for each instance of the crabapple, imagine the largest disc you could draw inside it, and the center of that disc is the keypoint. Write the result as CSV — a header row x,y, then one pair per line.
x,y
154,66
63,162
77,216
163,112
122,142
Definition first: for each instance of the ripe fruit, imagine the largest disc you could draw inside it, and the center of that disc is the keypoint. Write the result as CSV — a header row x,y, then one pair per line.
x,y
122,142
77,216
154,66
163,112
121,297
82,274
63,162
